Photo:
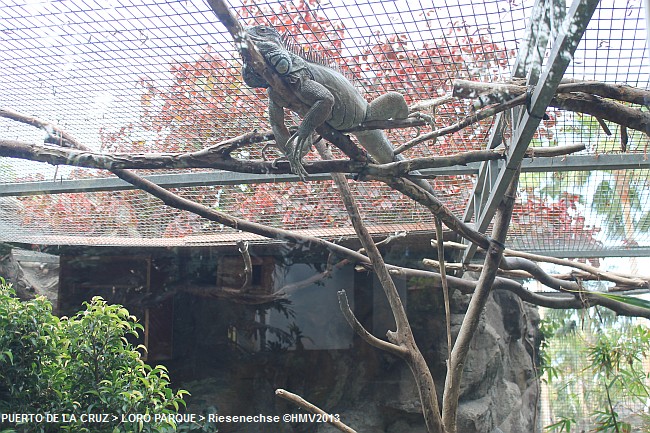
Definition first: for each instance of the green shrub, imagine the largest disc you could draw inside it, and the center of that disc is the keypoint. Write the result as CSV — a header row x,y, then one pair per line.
x,y
79,365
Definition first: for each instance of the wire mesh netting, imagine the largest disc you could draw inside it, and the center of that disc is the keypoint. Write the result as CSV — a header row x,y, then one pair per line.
x,y
164,77
595,373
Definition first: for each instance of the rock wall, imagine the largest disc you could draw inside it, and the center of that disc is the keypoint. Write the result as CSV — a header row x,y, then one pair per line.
x,y
31,273
499,390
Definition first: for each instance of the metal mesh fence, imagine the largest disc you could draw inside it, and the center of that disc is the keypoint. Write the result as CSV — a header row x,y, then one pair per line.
x,y
597,372
156,76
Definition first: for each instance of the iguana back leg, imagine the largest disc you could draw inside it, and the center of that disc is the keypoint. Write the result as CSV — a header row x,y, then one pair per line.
x,y
390,105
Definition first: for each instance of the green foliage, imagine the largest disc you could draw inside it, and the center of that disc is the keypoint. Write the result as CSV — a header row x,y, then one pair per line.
x,y
593,367
28,349
630,300
79,365
563,425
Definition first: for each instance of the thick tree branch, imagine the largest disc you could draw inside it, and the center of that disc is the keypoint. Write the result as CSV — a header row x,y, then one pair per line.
x,y
587,272
437,208
518,274
363,333
214,158
403,335
637,282
445,284
476,306
56,135
557,300
604,109
56,155
578,96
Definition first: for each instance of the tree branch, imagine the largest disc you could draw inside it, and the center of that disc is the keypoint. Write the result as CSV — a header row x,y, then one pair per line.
x,y
587,271
445,284
403,335
171,200
476,306
578,96
56,155
363,333
301,402
637,282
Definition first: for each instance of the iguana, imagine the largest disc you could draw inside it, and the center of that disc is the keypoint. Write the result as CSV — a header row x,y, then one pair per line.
x,y
332,98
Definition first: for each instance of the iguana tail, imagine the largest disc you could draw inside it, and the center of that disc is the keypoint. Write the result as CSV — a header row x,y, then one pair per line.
x,y
380,148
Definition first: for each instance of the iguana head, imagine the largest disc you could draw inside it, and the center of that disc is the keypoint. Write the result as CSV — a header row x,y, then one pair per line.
x,y
264,34
265,38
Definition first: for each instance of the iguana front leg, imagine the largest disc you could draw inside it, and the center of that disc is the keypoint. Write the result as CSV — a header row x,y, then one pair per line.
x,y
276,119
321,101
293,147
281,132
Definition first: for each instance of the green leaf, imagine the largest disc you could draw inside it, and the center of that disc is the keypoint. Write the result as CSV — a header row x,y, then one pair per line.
x,y
564,424
630,300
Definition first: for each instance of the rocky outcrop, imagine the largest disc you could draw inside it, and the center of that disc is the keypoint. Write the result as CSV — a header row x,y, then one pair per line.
x,y
499,392
31,273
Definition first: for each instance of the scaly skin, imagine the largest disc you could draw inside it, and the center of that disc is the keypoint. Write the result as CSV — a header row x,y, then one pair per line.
x,y
331,97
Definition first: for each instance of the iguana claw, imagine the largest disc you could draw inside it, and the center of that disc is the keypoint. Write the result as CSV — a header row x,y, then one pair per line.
x,y
426,117
297,147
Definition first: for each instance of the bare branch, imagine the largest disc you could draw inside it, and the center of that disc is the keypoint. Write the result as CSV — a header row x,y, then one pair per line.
x,y
638,282
437,208
476,306
535,152
294,287
403,336
363,333
567,299
301,402
589,272
578,96
56,134
56,155
623,115
478,116
430,103
402,168
445,285
619,92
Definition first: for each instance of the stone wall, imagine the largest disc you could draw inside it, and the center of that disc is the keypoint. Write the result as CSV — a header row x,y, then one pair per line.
x,y
499,391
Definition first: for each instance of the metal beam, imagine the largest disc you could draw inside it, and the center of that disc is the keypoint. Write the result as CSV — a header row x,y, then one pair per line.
x,y
587,254
529,57
621,161
526,124
626,161
181,180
